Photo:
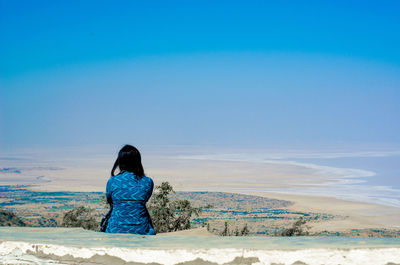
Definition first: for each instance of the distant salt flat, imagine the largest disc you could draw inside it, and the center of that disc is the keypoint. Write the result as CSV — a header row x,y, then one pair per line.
x,y
71,246
364,176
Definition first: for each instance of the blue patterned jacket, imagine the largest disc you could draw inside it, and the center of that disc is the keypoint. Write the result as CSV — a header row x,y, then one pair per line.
x,y
129,194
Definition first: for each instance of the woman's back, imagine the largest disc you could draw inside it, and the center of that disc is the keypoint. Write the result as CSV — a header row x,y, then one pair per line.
x,y
129,194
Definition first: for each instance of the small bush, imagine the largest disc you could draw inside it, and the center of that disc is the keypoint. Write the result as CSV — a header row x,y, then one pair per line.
x,y
298,229
243,232
81,217
170,215
8,218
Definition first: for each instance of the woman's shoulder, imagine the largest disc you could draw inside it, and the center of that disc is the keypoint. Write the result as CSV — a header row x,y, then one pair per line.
x,y
147,179
116,178
126,174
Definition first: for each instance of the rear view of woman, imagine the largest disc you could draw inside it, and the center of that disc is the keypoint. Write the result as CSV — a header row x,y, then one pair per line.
x,y
128,192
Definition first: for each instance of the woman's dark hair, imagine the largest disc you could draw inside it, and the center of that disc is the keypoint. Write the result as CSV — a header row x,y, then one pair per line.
x,y
129,159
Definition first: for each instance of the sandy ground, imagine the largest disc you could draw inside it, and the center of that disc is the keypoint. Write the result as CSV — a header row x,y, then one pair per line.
x,y
183,174
357,215
201,231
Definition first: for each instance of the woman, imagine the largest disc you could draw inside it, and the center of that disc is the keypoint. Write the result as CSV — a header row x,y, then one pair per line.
x,y
128,193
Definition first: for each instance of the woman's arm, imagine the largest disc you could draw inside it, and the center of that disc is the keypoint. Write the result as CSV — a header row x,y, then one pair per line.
x,y
108,192
150,191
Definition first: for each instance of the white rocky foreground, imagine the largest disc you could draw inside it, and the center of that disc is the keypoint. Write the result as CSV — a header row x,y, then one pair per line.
x,y
77,246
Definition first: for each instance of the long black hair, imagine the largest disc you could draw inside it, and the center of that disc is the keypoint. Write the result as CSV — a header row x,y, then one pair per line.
x,y
129,159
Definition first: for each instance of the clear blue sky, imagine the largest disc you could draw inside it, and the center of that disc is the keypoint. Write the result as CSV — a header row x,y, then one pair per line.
x,y
199,72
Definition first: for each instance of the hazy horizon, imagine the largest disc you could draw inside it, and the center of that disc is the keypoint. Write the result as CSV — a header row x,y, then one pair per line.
x,y
232,74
